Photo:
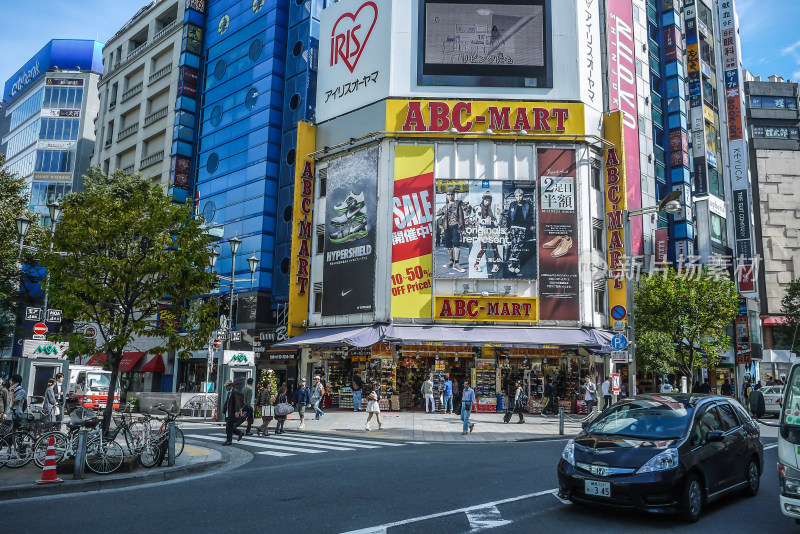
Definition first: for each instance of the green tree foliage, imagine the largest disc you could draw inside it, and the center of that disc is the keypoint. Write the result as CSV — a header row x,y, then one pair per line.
x,y
655,353
16,276
790,307
689,309
134,260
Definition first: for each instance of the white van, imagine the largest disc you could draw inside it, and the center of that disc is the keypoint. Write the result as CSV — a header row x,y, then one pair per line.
x,y
789,446
89,385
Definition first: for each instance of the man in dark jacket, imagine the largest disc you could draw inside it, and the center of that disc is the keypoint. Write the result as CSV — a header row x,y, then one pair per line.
x,y
757,407
234,401
705,387
301,399
549,393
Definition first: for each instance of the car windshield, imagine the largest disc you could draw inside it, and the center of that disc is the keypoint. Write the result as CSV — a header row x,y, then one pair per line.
x,y
98,380
644,419
771,390
791,399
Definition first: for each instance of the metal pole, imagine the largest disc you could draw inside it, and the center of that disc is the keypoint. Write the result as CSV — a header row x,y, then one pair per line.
x,y
230,307
80,456
208,377
171,445
47,272
630,286
560,420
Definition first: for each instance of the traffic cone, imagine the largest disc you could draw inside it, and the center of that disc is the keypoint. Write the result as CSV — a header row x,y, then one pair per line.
x,y
49,470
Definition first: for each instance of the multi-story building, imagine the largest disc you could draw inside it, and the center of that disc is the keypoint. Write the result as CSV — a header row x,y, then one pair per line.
x,y
773,122
140,92
48,108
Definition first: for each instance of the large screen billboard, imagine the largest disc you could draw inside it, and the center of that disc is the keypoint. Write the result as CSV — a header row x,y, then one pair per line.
x,y
505,43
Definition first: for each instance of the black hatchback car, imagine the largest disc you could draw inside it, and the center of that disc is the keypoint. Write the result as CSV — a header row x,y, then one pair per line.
x,y
663,453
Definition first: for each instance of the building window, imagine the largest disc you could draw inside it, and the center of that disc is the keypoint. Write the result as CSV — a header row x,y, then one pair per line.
x,y
597,235
317,301
251,98
212,163
323,182
216,115
600,297
220,68
255,49
715,185
719,230
597,174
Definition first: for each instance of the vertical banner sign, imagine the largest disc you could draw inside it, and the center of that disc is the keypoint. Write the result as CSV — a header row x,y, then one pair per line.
x,y
662,245
412,232
348,273
615,204
622,89
302,224
559,284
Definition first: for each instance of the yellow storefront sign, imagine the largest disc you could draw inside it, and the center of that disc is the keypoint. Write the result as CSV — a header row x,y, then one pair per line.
x,y
494,309
616,203
477,116
300,266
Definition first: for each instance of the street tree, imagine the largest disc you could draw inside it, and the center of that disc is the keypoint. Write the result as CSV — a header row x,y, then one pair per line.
x,y
132,261
17,272
790,307
689,309
655,353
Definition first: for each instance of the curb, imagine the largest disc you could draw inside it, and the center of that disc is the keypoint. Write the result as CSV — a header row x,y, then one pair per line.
x,y
111,482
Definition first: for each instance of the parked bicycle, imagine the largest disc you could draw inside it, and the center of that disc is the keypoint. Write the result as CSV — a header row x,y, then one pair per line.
x,y
16,444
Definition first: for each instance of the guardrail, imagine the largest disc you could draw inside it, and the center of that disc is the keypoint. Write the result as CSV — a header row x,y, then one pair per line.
x,y
151,160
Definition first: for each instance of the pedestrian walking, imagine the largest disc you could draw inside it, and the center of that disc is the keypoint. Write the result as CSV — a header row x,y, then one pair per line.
x,y
447,400
665,387
357,385
518,395
606,390
705,387
316,397
548,397
59,392
247,409
301,399
468,401
374,406
49,403
756,402
232,407
265,402
590,394
280,420
457,396
4,405
427,392
19,404
726,388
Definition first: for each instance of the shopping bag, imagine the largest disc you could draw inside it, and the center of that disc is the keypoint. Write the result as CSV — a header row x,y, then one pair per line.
x,y
283,409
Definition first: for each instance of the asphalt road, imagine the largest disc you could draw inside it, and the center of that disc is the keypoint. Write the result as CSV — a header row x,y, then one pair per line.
x,y
398,489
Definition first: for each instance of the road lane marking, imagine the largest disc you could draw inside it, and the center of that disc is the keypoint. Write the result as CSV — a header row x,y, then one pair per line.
x,y
344,440
770,446
381,529
272,453
209,437
486,518
313,442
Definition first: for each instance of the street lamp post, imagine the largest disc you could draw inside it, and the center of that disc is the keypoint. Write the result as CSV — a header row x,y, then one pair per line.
x,y
235,242
24,224
668,204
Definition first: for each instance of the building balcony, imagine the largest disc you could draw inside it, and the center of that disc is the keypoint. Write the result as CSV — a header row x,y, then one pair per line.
x,y
152,160
127,132
163,32
129,169
156,115
160,73
136,51
136,89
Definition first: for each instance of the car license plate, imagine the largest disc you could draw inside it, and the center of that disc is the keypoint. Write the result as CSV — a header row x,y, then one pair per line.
x,y
102,405
601,489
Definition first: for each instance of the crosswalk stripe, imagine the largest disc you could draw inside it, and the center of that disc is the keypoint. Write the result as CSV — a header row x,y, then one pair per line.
x,y
250,442
299,442
259,445
272,453
364,441
312,440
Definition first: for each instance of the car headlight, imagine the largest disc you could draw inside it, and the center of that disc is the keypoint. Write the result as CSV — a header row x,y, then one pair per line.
x,y
789,479
569,452
663,461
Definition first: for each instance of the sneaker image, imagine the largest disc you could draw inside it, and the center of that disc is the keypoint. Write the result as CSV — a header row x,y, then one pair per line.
x,y
352,202
351,231
358,214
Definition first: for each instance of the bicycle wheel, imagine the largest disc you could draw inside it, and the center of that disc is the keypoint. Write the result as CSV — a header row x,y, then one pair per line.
x,y
104,458
20,450
150,453
179,442
137,433
41,445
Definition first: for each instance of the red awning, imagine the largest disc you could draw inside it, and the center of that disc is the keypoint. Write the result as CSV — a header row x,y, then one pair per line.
x,y
98,360
775,320
129,359
156,365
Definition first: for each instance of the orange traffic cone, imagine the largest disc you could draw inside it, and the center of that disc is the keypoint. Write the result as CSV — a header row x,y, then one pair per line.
x,y
49,470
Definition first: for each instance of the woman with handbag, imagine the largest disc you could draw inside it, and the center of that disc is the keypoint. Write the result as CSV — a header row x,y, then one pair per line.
x,y
373,406
265,402
280,399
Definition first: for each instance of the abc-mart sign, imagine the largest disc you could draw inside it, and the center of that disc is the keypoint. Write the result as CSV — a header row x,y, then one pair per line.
x,y
44,349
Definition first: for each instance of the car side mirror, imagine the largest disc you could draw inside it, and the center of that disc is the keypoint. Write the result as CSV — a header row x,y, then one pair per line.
x,y
715,435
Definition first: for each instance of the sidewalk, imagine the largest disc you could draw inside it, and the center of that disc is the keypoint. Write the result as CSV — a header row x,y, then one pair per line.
x,y
419,426
21,483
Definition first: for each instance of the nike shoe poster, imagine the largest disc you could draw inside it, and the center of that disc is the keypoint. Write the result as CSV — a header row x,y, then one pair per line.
x,y
558,236
348,273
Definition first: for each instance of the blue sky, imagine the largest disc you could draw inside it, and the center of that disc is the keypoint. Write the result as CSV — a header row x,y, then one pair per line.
x,y
769,31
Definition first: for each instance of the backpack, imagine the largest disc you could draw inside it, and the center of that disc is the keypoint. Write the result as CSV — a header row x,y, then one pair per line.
x,y
523,398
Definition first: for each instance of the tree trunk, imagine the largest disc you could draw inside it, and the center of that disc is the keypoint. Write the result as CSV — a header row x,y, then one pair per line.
x,y
114,360
690,378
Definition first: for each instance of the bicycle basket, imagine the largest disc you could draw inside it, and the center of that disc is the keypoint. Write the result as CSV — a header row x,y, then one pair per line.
x,y
81,414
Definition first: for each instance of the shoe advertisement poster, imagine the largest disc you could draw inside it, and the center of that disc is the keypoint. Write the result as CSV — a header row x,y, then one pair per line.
x,y
485,229
348,273
558,237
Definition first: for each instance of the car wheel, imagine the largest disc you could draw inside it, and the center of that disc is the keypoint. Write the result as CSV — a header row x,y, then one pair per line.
x,y
753,479
692,501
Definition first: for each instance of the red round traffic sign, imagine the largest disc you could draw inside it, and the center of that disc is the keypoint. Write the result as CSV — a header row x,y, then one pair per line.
x,y
40,328
217,343
89,332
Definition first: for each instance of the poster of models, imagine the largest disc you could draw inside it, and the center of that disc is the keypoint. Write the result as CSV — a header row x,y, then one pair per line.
x,y
348,273
485,229
558,236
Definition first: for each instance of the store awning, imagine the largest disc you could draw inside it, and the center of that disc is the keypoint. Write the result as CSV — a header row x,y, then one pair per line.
x,y
775,320
359,336
156,365
129,359
499,336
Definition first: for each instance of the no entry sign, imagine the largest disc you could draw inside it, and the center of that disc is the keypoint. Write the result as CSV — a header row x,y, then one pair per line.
x,y
40,328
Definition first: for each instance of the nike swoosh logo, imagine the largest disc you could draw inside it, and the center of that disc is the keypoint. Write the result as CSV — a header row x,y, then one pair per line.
x,y
346,292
